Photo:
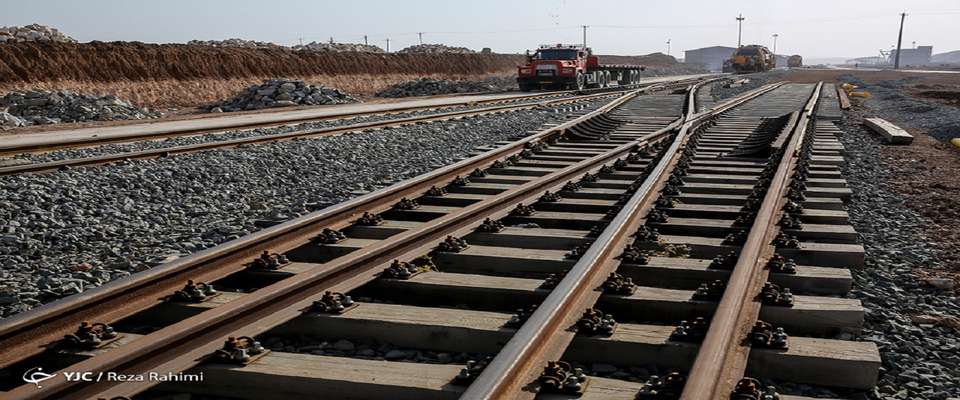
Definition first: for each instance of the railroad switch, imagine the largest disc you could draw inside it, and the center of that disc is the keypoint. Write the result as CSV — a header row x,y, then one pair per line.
x,y
460,181
773,295
523,211
194,293
620,285
712,291
91,336
478,173
471,371
691,332
334,303
749,389
270,261
436,192
634,255
725,262
561,378
329,236
764,335
406,204
452,245
594,322
239,350
520,317
668,387
490,226
368,219
779,265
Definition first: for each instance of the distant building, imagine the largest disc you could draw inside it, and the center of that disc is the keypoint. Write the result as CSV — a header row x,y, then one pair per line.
x,y
780,61
874,61
710,58
918,56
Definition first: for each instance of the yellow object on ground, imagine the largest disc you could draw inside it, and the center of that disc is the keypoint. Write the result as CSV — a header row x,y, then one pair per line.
x,y
955,141
847,87
865,94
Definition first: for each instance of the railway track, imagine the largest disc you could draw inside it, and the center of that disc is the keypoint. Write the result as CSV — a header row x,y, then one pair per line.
x,y
552,99
509,257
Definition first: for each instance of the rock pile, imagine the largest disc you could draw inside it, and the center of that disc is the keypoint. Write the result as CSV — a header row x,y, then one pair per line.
x,y
234,42
435,49
281,93
40,107
338,47
430,86
33,33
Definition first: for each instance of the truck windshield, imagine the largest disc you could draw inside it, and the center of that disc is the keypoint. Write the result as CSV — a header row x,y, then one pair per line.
x,y
747,52
557,54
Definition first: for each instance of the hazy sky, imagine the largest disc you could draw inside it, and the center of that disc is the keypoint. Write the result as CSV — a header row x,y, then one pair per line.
x,y
813,28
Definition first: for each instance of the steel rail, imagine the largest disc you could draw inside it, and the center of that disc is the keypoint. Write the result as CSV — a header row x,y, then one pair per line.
x,y
546,334
180,346
307,133
722,358
28,333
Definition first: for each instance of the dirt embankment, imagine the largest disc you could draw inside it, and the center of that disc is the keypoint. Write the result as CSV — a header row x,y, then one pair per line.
x,y
177,75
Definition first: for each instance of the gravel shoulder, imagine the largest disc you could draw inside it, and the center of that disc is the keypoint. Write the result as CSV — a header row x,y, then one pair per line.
x,y
62,233
904,209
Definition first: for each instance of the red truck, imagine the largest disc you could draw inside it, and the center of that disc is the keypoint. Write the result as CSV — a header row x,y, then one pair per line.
x,y
572,67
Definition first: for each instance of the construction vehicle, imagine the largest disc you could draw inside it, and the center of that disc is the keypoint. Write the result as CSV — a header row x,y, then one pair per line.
x,y
795,61
572,67
752,58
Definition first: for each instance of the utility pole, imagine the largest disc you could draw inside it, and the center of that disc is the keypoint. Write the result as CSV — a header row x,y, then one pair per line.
x,y
668,47
740,19
420,34
584,34
365,39
775,35
301,41
388,45
896,61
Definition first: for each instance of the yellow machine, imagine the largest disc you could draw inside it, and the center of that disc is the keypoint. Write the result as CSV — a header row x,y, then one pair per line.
x,y
752,58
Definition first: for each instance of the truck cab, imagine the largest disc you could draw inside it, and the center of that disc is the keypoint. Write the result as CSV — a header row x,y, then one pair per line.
x,y
568,67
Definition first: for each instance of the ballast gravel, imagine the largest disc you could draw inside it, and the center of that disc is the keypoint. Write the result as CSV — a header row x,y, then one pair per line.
x,y
65,232
116,148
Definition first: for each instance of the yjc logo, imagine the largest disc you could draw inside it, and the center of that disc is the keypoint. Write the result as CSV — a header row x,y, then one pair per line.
x,y
36,375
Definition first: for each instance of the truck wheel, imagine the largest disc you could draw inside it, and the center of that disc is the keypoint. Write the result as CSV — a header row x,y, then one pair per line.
x,y
581,81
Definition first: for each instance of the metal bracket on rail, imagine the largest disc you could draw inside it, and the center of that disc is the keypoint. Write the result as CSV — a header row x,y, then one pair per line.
x,y
736,238
773,295
90,336
725,262
518,318
368,219
471,371
777,264
711,291
452,244
333,303
646,234
764,335
634,255
406,204
578,251
594,322
668,387
436,192
523,211
619,285
194,293
749,389
241,350
691,332
459,181
270,261
405,270
490,226
550,197
561,378
552,280
571,187
479,173
329,236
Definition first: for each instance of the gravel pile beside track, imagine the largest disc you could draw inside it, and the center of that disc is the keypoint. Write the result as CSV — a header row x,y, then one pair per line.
x,y
230,135
920,361
68,231
430,87
887,101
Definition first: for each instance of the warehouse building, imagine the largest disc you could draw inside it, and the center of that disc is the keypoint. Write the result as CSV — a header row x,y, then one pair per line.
x,y
916,56
710,58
